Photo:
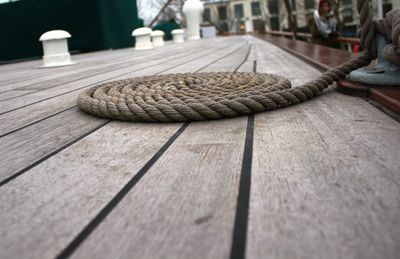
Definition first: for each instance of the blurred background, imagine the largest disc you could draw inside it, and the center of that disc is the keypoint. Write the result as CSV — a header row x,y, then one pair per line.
x,y
104,24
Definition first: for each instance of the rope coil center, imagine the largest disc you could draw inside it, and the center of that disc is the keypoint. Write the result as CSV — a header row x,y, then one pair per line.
x,y
186,97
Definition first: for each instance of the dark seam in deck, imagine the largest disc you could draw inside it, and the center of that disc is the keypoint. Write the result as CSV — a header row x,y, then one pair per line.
x,y
215,61
77,241
80,88
238,247
37,121
245,58
7,180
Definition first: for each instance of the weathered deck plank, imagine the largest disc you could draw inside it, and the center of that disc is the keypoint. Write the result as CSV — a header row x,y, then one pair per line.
x,y
185,205
22,69
44,209
14,93
23,148
325,179
14,73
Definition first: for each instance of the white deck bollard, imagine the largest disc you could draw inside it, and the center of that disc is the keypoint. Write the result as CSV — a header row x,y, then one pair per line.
x,y
158,38
193,10
55,49
142,38
177,35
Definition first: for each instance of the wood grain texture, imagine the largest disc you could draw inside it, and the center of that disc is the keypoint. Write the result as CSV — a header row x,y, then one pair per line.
x,y
45,208
19,72
325,180
184,207
33,79
14,93
22,148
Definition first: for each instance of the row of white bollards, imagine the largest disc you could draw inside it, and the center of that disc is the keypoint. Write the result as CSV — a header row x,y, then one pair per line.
x,y
147,39
55,46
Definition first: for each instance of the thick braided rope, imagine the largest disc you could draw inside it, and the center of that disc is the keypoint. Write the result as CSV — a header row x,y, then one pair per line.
x,y
203,96
388,26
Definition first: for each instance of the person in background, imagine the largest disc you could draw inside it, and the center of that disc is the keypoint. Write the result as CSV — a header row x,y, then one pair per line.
x,y
323,26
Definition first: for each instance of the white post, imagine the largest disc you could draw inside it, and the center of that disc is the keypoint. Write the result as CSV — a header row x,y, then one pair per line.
x,y
142,38
177,35
55,49
193,10
157,38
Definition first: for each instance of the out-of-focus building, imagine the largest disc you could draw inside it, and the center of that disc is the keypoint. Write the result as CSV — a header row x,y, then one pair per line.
x,y
236,16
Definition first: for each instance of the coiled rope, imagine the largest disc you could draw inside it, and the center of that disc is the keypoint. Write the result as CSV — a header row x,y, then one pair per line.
x,y
203,96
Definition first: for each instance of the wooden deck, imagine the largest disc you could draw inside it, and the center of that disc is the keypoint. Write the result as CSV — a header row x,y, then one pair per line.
x,y
315,180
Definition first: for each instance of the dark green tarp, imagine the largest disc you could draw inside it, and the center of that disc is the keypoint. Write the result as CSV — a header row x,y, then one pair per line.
x,y
166,27
93,24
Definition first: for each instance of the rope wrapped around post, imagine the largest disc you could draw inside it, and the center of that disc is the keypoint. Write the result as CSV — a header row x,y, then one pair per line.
x,y
206,96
